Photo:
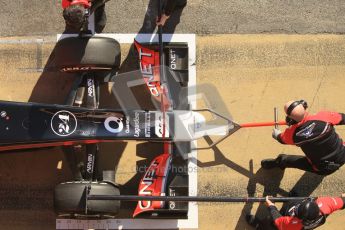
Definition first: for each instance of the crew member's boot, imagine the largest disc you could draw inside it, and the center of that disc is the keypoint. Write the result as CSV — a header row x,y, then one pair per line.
x,y
274,163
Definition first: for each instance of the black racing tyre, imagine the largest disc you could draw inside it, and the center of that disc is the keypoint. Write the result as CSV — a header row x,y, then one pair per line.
x,y
75,54
70,199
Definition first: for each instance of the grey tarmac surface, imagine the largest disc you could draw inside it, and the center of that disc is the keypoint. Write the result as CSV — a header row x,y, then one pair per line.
x,y
202,17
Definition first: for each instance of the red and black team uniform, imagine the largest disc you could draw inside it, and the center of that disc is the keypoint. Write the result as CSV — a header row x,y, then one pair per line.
x,y
288,220
316,136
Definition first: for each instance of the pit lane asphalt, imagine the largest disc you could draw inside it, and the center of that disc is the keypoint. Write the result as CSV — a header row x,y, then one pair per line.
x,y
252,74
202,17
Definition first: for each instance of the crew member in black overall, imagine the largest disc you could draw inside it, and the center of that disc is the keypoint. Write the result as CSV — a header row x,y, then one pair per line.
x,y
297,215
76,11
315,135
171,10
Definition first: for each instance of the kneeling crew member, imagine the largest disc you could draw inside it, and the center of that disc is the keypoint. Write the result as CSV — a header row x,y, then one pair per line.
x,y
297,215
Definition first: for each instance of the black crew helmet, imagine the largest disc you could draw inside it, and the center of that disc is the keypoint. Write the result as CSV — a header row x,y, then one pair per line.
x,y
308,210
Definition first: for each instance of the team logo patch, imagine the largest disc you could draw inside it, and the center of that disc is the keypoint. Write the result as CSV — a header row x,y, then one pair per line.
x,y
3,114
63,123
113,124
307,131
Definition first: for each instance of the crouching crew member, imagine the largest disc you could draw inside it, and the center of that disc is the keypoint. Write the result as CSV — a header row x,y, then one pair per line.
x,y
315,135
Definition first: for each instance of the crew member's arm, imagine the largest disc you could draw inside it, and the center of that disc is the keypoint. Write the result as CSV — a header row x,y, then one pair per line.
x,y
331,204
331,117
281,222
168,9
273,210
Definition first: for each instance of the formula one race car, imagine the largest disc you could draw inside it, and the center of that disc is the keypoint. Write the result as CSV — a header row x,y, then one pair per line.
x,y
81,125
